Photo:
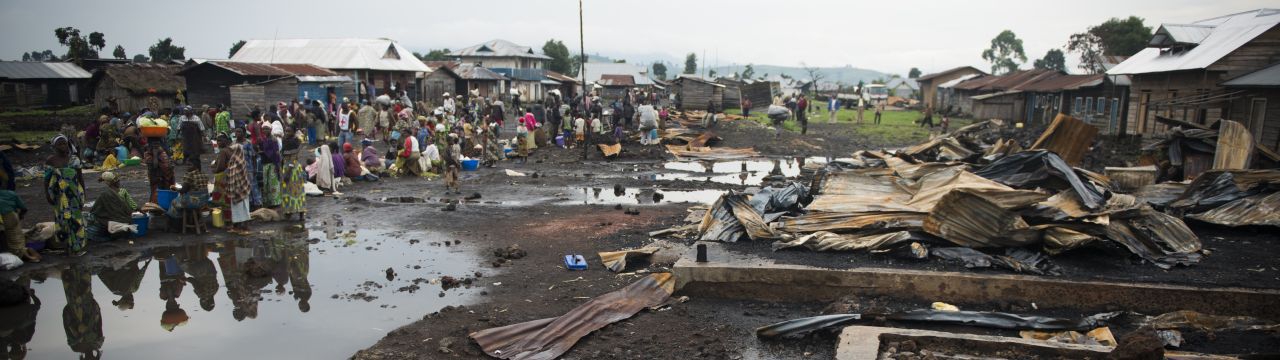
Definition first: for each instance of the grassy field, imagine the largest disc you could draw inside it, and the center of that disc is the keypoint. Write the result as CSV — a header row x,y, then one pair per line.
x,y
35,137
895,126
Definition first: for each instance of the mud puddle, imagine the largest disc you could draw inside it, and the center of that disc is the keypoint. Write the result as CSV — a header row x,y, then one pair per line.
x,y
735,172
322,293
637,196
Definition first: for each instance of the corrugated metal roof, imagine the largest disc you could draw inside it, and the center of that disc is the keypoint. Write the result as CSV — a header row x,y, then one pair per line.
x,y
1063,82
561,77
362,54
684,77
472,72
260,69
926,77
639,73
41,70
498,48
1265,77
1012,81
1182,34
958,80
616,80
1229,33
337,78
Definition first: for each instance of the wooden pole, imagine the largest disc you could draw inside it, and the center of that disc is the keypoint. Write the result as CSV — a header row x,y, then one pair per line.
x,y
582,72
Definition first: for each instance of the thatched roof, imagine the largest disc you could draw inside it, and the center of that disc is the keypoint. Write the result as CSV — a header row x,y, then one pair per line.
x,y
144,78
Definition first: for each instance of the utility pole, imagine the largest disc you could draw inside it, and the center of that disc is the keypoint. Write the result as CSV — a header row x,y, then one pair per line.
x,y
582,72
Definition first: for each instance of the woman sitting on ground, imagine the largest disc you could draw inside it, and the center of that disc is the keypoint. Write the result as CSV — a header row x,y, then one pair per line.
x,y
114,205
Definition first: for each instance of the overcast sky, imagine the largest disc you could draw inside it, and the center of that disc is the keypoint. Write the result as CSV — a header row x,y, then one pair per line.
x,y
890,36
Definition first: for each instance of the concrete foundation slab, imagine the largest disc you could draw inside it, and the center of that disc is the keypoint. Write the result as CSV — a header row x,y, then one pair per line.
x,y
863,343
736,276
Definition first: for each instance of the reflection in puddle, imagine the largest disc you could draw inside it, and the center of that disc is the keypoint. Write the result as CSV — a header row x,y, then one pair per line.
x,y
403,200
282,297
746,172
640,196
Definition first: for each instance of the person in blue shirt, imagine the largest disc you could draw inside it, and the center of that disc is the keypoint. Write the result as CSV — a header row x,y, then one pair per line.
x,y
833,106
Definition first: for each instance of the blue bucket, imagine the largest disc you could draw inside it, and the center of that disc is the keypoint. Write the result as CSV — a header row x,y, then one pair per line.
x,y
143,222
470,165
164,198
122,153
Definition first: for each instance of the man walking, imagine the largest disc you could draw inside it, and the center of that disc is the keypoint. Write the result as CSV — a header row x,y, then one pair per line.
x,y
801,106
833,106
928,117
879,109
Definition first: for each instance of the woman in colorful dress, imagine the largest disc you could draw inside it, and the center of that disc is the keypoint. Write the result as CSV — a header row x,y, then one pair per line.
x,y
64,189
159,168
271,187
294,196
234,186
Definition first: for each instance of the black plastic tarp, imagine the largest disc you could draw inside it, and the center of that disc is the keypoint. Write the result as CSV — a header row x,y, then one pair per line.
x,y
987,319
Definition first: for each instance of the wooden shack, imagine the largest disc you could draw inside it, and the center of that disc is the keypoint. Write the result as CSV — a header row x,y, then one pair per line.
x,y
247,96
41,84
131,87
209,83
694,93
761,93
441,80
732,98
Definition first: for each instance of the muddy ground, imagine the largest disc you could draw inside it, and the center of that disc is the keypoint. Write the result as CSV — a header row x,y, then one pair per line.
x,y
543,214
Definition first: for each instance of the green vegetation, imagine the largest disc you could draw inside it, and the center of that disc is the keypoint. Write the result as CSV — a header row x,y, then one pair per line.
x,y
82,110
30,137
896,127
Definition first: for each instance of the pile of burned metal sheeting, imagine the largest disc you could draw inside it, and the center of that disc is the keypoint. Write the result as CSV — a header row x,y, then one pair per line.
x,y
953,198
1190,149
1230,198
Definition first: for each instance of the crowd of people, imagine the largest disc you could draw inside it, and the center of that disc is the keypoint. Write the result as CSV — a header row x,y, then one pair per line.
x,y
259,159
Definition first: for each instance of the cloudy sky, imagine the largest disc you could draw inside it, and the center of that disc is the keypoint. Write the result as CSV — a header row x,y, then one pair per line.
x,y
890,36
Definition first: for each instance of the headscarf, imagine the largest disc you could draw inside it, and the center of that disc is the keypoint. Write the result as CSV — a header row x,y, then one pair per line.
x,y
324,168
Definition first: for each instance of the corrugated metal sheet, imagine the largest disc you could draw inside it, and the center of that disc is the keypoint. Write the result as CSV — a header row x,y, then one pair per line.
x,y
41,70
616,80
498,48
944,72
1266,77
1064,82
547,339
639,73
958,80
472,72
561,77
338,78
1229,33
1184,33
364,54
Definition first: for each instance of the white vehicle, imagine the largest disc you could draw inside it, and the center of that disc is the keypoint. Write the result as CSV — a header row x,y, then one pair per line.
x,y
875,93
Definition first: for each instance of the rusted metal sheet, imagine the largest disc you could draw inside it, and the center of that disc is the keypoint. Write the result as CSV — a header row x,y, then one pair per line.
x,y
547,339
1068,137
1157,237
616,261
861,203
971,220
828,241
852,221
861,183
1235,146
1160,195
707,153
934,186
1261,209
730,217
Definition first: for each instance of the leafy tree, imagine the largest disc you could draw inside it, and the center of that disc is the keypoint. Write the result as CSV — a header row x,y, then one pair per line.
x,y
78,47
139,58
691,63
433,55
748,72
914,73
1114,37
97,40
26,56
119,53
235,47
559,54
1052,60
1005,53
46,55
711,74
659,70
165,51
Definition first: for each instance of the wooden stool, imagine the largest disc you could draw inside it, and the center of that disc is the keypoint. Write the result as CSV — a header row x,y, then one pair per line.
x,y
191,220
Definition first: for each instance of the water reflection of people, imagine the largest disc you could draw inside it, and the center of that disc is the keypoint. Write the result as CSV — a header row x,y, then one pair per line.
x,y
201,273
172,282
124,281
19,324
299,255
81,317
232,275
